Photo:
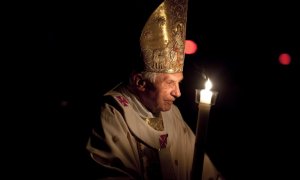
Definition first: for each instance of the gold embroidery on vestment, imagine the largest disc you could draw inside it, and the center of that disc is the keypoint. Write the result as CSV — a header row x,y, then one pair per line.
x,y
156,123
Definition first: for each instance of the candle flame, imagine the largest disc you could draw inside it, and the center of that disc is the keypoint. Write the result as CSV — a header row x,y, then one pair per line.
x,y
208,85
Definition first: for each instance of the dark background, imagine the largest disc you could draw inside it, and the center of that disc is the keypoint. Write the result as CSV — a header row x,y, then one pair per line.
x,y
253,125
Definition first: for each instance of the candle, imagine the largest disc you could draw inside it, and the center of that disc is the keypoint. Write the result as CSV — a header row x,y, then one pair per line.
x,y
206,94
206,98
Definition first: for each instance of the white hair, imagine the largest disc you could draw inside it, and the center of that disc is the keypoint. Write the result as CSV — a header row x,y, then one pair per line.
x,y
149,76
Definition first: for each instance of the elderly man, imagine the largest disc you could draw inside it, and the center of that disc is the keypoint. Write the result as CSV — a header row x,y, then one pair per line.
x,y
141,134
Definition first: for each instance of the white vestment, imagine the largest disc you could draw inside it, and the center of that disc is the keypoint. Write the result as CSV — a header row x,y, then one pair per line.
x,y
124,142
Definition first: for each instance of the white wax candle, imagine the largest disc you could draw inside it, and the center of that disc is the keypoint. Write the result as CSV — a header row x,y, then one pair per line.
x,y
206,94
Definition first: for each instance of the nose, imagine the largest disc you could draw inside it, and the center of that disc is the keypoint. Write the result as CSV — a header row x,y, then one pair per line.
x,y
176,91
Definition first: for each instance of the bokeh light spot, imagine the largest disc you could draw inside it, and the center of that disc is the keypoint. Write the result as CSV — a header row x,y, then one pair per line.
x,y
190,47
284,59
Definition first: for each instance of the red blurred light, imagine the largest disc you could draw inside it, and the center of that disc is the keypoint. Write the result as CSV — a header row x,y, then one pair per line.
x,y
284,59
190,47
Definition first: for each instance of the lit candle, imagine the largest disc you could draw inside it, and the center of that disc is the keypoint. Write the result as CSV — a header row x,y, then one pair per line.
x,y
206,94
206,98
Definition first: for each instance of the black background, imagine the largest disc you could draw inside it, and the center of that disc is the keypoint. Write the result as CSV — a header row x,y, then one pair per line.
x,y
253,125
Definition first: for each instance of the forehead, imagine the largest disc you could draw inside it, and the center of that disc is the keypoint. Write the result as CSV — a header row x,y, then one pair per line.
x,y
170,77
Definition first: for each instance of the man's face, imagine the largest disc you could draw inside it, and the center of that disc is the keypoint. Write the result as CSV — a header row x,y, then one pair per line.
x,y
163,93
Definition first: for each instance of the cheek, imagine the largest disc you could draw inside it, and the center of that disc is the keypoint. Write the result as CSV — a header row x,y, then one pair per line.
x,y
163,95
159,94
152,95
155,97
165,92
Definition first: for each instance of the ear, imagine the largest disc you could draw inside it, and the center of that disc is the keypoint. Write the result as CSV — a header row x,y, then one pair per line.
x,y
139,82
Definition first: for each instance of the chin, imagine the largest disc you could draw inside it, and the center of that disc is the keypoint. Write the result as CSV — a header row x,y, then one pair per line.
x,y
166,108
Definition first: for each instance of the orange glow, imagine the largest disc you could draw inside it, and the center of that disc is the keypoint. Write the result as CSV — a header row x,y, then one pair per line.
x,y
284,59
190,47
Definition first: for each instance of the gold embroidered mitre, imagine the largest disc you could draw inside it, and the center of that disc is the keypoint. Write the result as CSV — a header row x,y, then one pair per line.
x,y
163,37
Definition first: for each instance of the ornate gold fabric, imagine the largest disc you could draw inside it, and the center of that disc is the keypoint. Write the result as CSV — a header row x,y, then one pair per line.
x,y
156,123
163,37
